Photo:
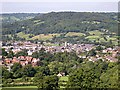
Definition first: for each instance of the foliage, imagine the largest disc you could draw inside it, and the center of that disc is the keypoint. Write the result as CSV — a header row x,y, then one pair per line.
x,y
22,53
28,70
63,22
46,82
94,75
5,73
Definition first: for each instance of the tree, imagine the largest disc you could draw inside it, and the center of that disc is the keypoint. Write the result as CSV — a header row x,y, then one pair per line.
x,y
99,48
10,54
51,82
16,69
4,53
16,66
28,70
110,79
38,79
46,82
5,73
21,53
82,78
43,69
18,73
92,52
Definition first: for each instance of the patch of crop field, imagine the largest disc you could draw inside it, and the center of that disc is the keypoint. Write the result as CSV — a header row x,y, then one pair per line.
x,y
103,40
64,78
23,35
62,87
63,81
9,35
74,34
96,33
115,42
112,38
21,87
51,44
35,21
14,18
38,22
93,37
45,37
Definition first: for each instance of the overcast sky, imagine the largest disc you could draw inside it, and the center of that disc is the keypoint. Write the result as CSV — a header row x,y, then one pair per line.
x,y
44,6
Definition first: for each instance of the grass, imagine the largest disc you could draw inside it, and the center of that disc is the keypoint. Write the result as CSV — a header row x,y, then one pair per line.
x,y
45,37
93,37
64,78
23,35
61,79
21,87
39,37
74,34
51,44
95,32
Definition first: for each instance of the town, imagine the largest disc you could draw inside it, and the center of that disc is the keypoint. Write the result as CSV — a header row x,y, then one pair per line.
x,y
107,54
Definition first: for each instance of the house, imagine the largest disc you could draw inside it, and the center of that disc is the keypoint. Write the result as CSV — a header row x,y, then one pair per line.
x,y
115,53
30,52
8,61
93,59
111,59
61,74
15,60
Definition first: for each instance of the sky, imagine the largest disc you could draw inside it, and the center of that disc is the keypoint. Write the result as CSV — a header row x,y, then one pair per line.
x,y
45,6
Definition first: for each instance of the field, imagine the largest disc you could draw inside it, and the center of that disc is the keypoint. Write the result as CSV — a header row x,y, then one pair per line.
x,y
74,34
39,37
96,33
23,35
63,80
21,87
97,36
45,37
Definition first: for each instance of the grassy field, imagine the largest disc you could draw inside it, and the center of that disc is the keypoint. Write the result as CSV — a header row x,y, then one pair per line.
x,y
96,33
64,78
93,37
45,37
21,87
50,44
63,81
39,37
74,34
23,35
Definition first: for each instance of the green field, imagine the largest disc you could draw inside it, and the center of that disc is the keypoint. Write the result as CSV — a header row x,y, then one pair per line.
x,y
39,37
64,78
23,35
63,81
74,34
96,33
21,87
93,37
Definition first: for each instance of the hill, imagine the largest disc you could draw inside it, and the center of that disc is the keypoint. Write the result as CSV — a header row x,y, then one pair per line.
x,y
13,17
59,22
82,27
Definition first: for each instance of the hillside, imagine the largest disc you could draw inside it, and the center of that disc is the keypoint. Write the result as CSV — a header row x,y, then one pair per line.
x,y
82,27
59,22
13,17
